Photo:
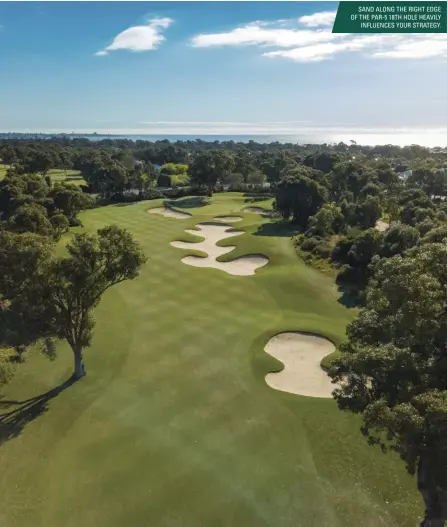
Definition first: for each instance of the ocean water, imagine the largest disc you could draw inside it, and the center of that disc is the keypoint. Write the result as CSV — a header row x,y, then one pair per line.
x,y
430,137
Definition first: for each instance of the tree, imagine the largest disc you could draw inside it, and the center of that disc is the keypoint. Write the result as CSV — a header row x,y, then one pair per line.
x,y
60,225
210,167
39,161
108,179
274,166
299,196
31,218
327,220
397,239
433,181
256,178
323,161
243,164
69,200
75,284
23,259
12,193
368,212
393,369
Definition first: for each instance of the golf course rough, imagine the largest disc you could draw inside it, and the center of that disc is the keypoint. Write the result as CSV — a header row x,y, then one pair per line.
x,y
301,355
213,233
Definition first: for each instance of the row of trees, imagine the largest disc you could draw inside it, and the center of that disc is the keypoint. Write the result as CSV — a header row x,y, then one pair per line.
x,y
393,368
113,166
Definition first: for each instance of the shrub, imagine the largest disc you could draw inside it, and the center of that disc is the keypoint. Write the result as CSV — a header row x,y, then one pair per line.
x,y
75,222
174,169
309,244
151,193
322,250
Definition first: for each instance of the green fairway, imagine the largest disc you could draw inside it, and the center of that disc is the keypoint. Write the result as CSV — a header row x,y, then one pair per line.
x,y
174,424
66,176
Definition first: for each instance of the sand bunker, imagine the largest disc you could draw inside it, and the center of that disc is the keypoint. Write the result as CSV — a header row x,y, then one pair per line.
x,y
301,355
259,210
227,219
169,213
382,226
243,266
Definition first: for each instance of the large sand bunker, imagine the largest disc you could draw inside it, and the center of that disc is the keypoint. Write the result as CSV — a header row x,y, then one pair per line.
x,y
169,213
243,266
301,355
227,219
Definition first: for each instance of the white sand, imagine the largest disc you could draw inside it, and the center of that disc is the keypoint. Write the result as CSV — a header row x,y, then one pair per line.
x,y
227,219
382,225
243,266
169,213
301,355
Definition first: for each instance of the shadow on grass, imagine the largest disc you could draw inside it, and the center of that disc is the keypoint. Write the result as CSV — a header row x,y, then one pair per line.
x,y
125,203
190,202
255,199
278,228
12,422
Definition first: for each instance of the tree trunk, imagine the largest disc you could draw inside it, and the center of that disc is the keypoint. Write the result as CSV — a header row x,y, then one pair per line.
x,y
79,369
435,498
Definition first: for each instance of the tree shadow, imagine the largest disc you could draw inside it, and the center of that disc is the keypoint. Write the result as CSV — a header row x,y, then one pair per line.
x,y
12,422
349,296
255,198
190,202
125,203
278,228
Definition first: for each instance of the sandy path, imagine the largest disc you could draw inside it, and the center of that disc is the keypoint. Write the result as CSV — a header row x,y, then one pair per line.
x,y
301,355
227,219
243,266
169,213
382,226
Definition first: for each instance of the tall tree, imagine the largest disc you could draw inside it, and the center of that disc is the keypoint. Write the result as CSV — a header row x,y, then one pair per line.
x,y
299,196
75,284
210,167
393,369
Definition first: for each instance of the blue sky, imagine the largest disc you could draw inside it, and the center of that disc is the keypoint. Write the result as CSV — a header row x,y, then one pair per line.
x,y
217,67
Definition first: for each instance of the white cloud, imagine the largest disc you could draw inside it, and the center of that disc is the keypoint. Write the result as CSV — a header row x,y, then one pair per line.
x,y
257,34
311,40
139,38
325,18
417,48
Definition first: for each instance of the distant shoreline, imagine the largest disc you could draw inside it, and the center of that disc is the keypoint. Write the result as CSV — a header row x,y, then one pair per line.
x,y
427,138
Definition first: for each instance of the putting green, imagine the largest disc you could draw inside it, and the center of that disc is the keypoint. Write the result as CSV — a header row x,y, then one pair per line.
x,y
174,424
